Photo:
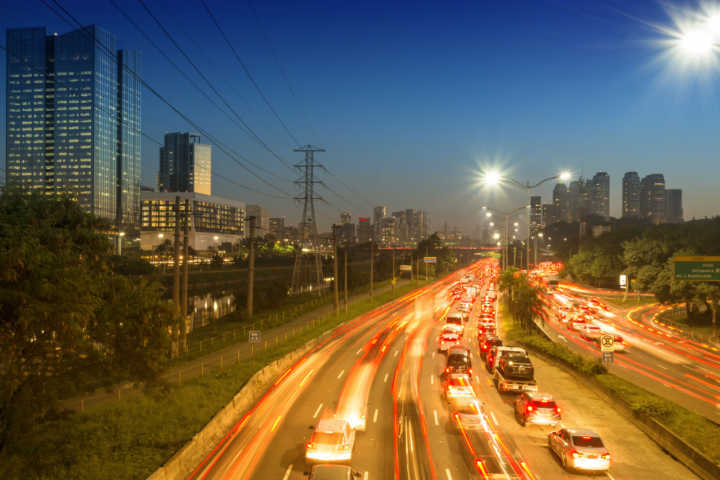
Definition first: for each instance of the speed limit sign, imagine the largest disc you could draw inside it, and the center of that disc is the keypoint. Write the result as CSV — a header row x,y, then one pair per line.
x,y
607,343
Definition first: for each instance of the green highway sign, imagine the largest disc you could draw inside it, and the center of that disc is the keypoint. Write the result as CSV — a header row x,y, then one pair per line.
x,y
706,269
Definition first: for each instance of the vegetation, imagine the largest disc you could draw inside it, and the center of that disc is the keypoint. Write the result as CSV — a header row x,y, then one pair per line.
x,y
66,315
522,299
645,253
136,435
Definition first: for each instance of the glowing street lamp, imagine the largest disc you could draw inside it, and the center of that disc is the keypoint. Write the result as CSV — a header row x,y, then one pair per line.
x,y
496,236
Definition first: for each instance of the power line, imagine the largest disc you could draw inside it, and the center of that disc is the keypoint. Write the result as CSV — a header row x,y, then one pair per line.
x,y
362,197
164,100
249,75
208,82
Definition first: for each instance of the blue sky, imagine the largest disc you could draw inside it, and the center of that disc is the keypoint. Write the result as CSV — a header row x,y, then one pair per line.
x,y
410,98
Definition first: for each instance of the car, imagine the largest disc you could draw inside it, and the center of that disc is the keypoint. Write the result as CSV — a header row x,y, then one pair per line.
x,y
457,385
490,358
332,441
468,412
455,321
576,324
447,340
513,362
458,361
537,408
488,344
329,471
579,449
591,332
486,324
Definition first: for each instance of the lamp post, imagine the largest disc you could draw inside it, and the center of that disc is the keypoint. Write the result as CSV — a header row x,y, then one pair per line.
x,y
506,240
119,245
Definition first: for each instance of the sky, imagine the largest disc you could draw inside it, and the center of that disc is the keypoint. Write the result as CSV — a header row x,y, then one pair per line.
x,y
411,99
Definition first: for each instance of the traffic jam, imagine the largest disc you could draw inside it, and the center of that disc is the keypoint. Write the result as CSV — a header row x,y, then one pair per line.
x,y
474,302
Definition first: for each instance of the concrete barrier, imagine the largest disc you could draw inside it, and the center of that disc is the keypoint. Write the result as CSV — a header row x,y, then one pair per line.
x,y
187,458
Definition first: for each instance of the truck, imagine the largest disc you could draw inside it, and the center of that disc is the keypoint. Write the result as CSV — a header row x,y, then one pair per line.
x,y
513,371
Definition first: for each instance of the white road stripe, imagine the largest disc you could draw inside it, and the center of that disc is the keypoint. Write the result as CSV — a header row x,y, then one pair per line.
x,y
449,475
562,338
317,411
288,472
375,415
386,377
494,419
396,353
432,379
341,374
662,366
365,475
609,476
358,352
437,423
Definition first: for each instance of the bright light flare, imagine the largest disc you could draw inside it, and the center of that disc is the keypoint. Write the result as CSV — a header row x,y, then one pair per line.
x,y
564,176
491,178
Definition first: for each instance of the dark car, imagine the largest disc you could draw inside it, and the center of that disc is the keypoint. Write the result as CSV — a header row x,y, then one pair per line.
x,y
537,408
487,344
515,364
458,361
332,472
490,358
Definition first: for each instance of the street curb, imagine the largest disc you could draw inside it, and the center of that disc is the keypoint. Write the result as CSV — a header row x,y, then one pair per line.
x,y
657,432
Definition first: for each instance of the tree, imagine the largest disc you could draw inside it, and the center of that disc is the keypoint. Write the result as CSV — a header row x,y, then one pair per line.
x,y
710,292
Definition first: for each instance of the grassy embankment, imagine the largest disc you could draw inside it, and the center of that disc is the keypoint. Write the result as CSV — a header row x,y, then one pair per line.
x,y
695,429
132,437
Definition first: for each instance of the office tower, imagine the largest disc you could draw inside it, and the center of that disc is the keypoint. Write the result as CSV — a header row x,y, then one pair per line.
x,y
364,230
345,217
652,198
673,205
262,218
74,119
378,214
600,194
536,219
560,201
631,195
277,227
388,232
402,226
578,200
185,164
549,214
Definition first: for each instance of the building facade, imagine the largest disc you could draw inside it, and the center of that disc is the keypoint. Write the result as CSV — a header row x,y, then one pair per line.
x,y
262,218
600,194
536,215
560,202
652,198
212,220
73,114
364,230
631,195
673,205
277,227
185,164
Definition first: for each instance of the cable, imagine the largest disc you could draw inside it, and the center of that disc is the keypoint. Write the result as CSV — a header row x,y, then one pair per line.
x,y
164,100
363,197
249,75
192,82
209,83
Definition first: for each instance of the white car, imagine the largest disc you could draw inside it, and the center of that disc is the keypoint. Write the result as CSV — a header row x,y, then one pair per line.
x,y
458,385
468,412
332,441
447,340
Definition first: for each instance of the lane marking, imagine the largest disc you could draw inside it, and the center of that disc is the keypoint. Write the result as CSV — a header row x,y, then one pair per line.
x,y
562,338
288,472
375,415
494,419
306,377
386,377
275,424
610,476
433,355
432,380
365,475
341,374
449,475
317,411
396,353
358,352
437,423
662,366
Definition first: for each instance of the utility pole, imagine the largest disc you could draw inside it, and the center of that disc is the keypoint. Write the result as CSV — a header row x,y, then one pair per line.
x,y
514,255
426,265
251,268
393,271
335,270
186,275
345,279
372,267
176,255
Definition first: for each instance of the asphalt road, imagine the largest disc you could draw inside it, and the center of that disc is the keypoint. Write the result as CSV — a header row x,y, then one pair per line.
x,y
385,365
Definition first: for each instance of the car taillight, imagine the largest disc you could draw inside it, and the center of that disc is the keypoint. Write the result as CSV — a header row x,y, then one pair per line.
x,y
346,447
469,371
557,409
309,445
485,346
447,370
606,456
576,454
530,408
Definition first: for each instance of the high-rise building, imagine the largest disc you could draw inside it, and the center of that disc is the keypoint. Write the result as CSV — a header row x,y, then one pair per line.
x,y
402,226
578,200
346,231
388,229
364,230
74,119
631,195
673,205
185,164
560,201
536,220
652,198
277,227
345,217
379,213
600,195
549,214
262,218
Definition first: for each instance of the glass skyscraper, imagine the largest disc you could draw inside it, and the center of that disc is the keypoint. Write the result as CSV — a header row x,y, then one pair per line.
x,y
74,119
185,164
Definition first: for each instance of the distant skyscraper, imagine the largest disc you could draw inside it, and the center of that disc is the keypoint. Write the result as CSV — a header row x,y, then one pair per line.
x,y
364,230
262,218
535,214
277,227
652,198
345,217
379,213
673,205
185,164
631,195
402,225
560,201
74,119
578,200
600,194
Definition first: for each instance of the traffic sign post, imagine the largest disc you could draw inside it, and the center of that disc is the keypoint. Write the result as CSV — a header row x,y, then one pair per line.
x,y
695,268
405,268
607,357
430,259
607,343
254,336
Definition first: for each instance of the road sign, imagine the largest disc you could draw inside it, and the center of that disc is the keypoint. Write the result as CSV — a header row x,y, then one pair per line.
x,y
254,336
406,268
607,357
430,259
705,269
623,281
607,343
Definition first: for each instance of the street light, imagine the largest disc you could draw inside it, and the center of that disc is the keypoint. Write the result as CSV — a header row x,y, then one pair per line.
x,y
492,224
496,236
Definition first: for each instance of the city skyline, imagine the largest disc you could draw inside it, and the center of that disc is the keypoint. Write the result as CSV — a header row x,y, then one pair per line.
x,y
619,129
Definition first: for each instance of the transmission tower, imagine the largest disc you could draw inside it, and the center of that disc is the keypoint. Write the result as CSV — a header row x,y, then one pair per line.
x,y
307,272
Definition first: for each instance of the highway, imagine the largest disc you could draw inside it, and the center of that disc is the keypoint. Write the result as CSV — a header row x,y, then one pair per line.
x,y
384,366
658,358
